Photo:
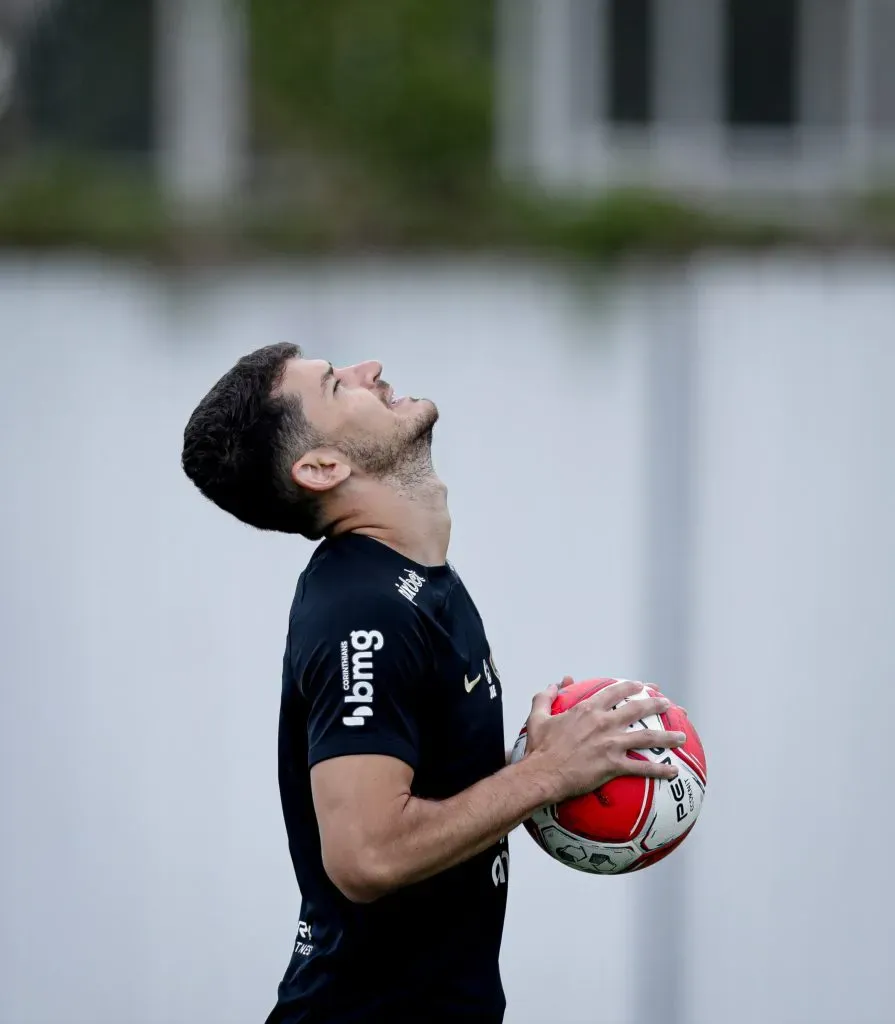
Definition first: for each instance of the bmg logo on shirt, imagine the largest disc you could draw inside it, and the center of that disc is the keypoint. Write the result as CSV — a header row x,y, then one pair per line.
x,y
357,673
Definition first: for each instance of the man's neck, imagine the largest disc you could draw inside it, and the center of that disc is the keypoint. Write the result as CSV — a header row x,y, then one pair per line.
x,y
413,520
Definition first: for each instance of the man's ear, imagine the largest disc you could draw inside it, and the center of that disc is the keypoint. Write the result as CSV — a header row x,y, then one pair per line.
x,y
320,470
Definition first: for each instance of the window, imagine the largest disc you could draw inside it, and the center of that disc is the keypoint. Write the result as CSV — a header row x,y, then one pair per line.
x,y
761,62
87,75
630,45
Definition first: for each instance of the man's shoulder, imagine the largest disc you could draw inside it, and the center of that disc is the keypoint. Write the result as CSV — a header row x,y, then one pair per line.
x,y
337,587
321,603
355,572
341,608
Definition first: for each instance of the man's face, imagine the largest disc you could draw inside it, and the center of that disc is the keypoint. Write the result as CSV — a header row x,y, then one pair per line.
x,y
357,413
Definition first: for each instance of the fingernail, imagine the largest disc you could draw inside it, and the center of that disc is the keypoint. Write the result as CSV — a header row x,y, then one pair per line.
x,y
681,737
665,704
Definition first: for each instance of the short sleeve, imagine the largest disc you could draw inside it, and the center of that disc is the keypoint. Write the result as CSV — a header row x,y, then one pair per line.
x,y
359,665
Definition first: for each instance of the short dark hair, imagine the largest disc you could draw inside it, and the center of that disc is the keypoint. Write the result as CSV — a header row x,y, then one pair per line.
x,y
241,442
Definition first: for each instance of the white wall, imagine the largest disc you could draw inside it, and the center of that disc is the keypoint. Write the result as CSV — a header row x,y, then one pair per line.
x,y
145,877
794,666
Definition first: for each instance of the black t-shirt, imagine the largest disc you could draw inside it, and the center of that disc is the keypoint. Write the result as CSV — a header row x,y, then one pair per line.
x,y
385,656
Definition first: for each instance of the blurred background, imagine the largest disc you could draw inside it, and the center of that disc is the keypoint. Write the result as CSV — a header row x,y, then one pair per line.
x,y
641,254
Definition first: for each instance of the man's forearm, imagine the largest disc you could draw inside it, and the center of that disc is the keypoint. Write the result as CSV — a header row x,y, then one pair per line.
x,y
434,835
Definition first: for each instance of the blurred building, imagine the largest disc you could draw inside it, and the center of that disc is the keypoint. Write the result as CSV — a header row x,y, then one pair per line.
x,y
146,80
709,96
704,97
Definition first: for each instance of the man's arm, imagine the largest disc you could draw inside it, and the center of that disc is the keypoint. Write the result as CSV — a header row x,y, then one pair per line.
x,y
376,837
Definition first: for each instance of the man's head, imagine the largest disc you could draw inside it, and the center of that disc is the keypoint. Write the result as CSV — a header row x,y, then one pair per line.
x,y
280,439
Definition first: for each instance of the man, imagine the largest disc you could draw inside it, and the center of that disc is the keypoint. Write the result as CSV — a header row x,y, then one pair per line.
x,y
395,790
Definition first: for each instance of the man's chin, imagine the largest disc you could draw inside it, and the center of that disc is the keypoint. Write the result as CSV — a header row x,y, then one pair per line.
x,y
427,413
426,403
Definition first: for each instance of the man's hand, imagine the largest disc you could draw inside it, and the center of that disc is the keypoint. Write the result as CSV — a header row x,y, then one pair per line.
x,y
566,681
586,746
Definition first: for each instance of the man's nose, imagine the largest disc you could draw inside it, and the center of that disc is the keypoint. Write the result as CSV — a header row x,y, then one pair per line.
x,y
363,375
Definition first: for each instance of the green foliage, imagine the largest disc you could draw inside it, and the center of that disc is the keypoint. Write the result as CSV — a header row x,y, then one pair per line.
x,y
403,86
629,220
72,201
382,111
85,204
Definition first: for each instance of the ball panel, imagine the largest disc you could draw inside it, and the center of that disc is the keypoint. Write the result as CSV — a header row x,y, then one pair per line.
x,y
655,856
544,816
676,806
692,751
612,860
574,693
614,813
591,858
675,720
532,829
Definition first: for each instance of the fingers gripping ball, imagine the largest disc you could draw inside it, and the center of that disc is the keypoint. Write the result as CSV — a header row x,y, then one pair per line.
x,y
630,822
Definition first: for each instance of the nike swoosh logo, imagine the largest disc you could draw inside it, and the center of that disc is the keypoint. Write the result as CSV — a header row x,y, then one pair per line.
x,y
470,683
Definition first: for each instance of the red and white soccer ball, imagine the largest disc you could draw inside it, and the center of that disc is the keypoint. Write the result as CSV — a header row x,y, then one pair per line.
x,y
630,822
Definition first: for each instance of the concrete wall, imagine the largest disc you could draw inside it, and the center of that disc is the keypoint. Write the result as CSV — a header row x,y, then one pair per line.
x,y
144,875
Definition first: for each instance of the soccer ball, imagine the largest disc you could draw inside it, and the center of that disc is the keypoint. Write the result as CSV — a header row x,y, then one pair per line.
x,y
630,822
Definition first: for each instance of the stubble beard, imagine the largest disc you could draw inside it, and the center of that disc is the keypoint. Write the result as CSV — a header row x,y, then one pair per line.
x,y
404,462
